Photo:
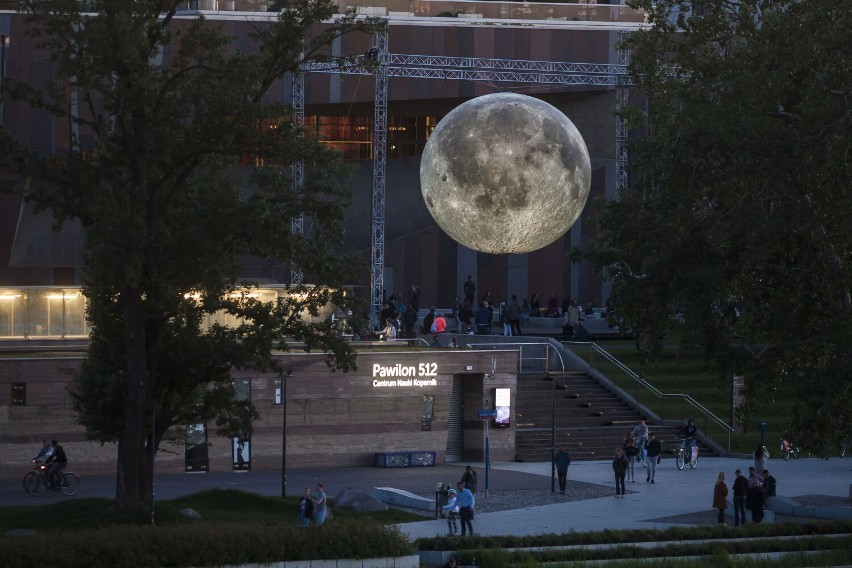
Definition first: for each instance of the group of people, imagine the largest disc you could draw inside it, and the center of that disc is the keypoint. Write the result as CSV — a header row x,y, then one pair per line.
x,y
311,507
748,493
640,447
461,503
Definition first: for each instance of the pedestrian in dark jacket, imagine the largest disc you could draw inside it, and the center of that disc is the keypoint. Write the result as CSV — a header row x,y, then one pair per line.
x,y
619,466
652,456
562,460
740,493
769,484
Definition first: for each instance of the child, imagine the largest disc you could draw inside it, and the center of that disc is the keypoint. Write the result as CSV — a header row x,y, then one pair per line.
x,y
452,510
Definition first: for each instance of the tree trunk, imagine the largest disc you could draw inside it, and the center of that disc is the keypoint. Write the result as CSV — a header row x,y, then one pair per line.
x,y
130,482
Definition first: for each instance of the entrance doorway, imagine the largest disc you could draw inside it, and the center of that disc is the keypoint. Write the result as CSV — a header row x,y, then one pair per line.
x,y
455,431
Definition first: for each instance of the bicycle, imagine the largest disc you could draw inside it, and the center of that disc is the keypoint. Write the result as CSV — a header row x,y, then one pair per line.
x,y
788,449
35,482
680,456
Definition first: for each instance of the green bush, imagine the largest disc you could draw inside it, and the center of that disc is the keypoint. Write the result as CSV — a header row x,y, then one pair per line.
x,y
202,544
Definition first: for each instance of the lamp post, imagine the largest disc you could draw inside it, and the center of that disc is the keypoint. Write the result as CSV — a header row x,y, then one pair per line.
x,y
553,437
284,435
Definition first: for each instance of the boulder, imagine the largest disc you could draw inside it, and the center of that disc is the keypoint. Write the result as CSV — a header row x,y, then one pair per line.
x,y
191,513
355,500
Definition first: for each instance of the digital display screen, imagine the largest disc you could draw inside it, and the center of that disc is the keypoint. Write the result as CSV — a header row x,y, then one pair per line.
x,y
502,405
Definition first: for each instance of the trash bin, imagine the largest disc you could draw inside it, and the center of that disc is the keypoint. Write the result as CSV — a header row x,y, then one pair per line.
x,y
442,495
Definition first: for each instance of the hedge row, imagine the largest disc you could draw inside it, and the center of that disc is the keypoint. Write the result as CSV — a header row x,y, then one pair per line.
x,y
201,544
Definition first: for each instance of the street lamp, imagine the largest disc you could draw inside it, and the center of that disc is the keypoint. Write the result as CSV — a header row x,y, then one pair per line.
x,y
284,435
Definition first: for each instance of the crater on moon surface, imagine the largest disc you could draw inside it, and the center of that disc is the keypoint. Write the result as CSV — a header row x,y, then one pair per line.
x,y
505,173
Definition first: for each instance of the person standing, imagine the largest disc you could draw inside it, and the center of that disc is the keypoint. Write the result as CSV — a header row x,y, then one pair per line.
x,y
756,500
483,319
306,508
769,484
630,452
761,454
720,497
320,504
562,460
428,320
389,332
469,289
467,504
468,479
640,434
513,315
740,488
619,466
439,323
452,509
652,456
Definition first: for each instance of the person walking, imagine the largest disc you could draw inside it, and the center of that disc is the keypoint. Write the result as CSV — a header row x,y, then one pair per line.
x,y
468,479
640,434
720,497
619,466
467,504
652,456
630,452
740,488
562,460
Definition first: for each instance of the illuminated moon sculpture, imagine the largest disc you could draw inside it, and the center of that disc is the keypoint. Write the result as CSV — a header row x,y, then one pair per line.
x,y
505,173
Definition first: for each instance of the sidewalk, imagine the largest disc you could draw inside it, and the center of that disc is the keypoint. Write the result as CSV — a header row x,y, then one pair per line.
x,y
674,493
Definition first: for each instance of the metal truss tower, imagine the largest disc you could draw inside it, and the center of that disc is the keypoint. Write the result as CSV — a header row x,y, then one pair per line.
x,y
612,76
298,167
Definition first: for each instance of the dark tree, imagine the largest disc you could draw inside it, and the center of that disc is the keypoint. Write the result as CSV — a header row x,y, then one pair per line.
x,y
171,112
738,215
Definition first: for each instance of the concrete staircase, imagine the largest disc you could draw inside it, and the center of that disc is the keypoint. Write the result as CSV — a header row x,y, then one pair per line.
x,y
591,420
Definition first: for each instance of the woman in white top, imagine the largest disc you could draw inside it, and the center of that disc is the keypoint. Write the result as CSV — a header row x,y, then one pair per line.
x,y
390,330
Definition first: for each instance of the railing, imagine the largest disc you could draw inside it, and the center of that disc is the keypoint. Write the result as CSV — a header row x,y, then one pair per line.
x,y
669,406
464,10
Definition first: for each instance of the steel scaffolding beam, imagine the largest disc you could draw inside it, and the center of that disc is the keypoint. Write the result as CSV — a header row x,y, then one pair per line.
x,y
298,167
380,138
622,95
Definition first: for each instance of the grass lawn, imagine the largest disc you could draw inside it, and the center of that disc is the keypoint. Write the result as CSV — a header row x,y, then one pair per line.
x,y
674,372
214,506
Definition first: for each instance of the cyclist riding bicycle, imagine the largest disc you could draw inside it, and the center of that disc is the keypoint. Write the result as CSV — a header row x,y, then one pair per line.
x,y
687,435
44,453
58,462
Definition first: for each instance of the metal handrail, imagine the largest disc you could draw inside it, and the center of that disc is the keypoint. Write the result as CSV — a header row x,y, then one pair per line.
x,y
657,392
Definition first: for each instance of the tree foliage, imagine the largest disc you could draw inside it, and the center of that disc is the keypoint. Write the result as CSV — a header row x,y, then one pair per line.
x,y
163,113
738,215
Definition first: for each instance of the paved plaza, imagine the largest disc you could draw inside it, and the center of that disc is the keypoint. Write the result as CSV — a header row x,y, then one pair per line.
x,y
522,487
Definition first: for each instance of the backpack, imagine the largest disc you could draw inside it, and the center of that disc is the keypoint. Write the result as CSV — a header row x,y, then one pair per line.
x,y
434,328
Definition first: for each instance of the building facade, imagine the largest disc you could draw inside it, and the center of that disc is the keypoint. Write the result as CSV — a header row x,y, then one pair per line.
x,y
340,108
397,402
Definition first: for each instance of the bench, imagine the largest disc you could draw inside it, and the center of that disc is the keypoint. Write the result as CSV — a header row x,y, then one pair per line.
x,y
405,459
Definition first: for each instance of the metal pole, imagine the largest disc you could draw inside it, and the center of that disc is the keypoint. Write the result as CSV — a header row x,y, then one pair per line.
x,y
284,436
553,437
153,434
